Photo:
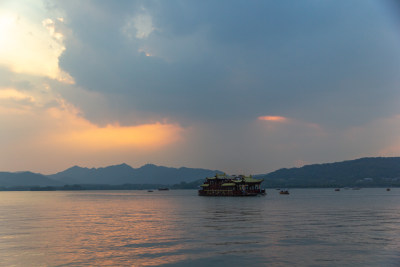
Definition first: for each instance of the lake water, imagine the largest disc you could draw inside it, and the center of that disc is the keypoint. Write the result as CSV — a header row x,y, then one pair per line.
x,y
309,227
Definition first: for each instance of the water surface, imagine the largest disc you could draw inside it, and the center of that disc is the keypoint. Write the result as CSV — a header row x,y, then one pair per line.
x,y
309,227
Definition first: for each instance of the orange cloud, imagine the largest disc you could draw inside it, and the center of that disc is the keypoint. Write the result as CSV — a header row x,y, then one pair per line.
x,y
49,139
11,93
273,118
114,136
75,131
64,129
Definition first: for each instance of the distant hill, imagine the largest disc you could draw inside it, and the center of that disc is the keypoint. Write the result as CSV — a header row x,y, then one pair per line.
x,y
364,172
117,174
125,174
15,179
360,172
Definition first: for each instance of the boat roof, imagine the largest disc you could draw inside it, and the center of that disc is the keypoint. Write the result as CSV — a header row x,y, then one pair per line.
x,y
249,180
236,179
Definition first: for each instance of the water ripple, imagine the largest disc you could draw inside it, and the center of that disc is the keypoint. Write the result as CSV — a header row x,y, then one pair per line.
x,y
177,228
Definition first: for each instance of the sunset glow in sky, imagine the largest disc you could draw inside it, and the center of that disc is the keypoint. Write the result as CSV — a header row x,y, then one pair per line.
x,y
239,86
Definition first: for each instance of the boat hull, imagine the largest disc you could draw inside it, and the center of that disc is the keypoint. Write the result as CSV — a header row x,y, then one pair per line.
x,y
231,193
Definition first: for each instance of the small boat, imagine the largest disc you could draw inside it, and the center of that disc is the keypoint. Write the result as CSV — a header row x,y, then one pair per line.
x,y
387,189
337,189
163,189
149,190
284,192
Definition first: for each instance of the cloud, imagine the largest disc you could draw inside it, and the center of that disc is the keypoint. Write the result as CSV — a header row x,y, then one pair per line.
x,y
182,57
30,47
379,137
50,25
64,127
141,25
280,122
273,118
60,132
267,83
78,132
15,95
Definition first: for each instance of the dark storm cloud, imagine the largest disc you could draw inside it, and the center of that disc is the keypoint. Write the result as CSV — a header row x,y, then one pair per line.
x,y
239,59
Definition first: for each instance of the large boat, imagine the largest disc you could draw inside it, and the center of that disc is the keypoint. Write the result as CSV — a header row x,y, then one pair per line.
x,y
224,185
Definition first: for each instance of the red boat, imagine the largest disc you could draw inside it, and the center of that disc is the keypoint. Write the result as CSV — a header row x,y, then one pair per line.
x,y
223,185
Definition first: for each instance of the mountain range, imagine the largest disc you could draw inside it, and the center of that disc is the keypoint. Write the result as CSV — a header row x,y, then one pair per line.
x,y
382,171
368,172
125,174
12,179
111,175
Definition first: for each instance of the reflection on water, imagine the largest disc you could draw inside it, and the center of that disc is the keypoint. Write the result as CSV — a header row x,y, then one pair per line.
x,y
316,227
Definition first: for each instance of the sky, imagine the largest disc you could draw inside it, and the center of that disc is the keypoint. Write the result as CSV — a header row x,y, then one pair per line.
x,y
239,86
